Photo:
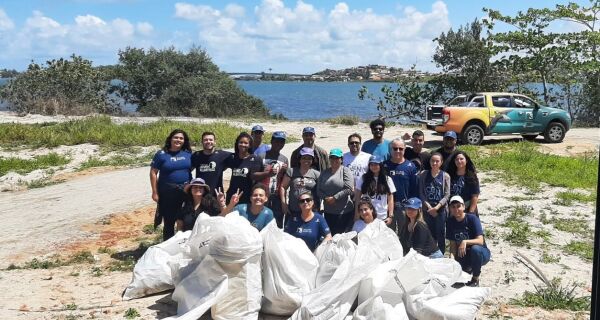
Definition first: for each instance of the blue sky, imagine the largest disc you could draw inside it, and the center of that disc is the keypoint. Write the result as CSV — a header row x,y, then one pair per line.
x,y
241,36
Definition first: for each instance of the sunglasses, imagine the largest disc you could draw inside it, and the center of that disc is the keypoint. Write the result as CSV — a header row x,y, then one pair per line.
x,y
398,149
305,200
353,143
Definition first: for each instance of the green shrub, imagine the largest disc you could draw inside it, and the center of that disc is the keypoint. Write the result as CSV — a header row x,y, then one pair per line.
x,y
554,296
344,120
583,249
23,166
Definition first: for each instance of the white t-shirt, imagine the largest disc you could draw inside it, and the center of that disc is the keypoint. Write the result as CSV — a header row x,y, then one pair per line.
x,y
357,164
379,201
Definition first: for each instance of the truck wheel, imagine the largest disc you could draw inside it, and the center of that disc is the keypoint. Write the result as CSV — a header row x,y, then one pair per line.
x,y
529,137
555,132
473,134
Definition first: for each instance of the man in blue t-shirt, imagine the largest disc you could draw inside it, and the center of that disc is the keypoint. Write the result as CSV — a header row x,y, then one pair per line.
x,y
404,175
378,145
257,137
257,214
467,242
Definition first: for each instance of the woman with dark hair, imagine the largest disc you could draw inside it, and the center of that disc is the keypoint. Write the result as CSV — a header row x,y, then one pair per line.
x,y
367,214
298,180
380,188
309,225
434,192
464,181
169,170
246,168
417,235
335,187
198,199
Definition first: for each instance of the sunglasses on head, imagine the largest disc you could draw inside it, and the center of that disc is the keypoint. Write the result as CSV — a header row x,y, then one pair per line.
x,y
305,200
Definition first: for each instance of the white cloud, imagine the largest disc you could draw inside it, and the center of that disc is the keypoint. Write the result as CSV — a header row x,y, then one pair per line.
x,y
302,38
144,28
5,22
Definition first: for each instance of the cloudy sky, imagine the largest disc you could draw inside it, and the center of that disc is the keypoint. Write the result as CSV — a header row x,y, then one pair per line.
x,y
241,36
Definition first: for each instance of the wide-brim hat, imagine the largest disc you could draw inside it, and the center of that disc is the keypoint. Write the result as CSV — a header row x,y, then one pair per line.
x,y
196,182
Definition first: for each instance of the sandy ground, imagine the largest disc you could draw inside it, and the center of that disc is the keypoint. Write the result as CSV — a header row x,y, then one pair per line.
x,y
108,208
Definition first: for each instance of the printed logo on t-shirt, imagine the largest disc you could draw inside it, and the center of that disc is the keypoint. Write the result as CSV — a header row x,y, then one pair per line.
x,y
433,192
208,167
240,172
396,172
177,158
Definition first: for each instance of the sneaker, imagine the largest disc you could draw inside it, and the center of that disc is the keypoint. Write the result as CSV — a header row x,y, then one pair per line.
x,y
473,283
458,285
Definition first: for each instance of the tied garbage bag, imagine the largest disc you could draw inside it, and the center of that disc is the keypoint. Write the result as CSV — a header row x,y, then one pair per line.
x,y
375,309
289,269
331,254
384,238
152,272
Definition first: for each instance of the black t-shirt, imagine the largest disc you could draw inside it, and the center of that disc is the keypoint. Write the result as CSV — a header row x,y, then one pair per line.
x,y
210,167
241,175
420,240
189,215
421,159
446,156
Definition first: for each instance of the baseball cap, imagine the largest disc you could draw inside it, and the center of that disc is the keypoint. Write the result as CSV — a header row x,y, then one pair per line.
x,y
450,134
196,182
375,159
258,127
413,203
308,130
336,152
278,135
457,199
306,151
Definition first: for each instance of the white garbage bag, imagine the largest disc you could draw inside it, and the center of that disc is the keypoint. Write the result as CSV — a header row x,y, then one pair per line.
x,y
384,237
375,309
380,282
152,272
331,254
460,304
289,270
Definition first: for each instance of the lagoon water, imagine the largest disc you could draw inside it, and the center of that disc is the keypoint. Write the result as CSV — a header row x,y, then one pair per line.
x,y
314,100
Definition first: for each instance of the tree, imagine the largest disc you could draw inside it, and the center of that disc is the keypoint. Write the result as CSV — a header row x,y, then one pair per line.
x,y
464,56
61,86
169,82
407,98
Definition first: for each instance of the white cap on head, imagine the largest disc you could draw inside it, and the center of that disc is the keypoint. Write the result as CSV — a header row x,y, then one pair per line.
x,y
457,199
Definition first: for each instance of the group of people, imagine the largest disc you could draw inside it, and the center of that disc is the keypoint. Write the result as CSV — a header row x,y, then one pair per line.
x,y
425,197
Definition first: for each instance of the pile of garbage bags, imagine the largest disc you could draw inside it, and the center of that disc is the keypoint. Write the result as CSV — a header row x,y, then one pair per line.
x,y
227,266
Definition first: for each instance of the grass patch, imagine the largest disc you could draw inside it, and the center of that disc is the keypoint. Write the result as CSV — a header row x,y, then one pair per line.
x,y
554,296
548,258
583,249
131,313
44,182
22,166
519,233
571,225
521,198
520,163
122,265
56,261
100,130
117,161
344,120
566,198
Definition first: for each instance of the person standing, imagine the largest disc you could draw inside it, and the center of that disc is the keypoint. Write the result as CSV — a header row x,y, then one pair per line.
x,y
379,187
434,192
169,171
209,163
464,181
415,153
335,187
355,160
320,156
246,168
404,176
277,164
298,180
257,137
467,241
448,149
378,145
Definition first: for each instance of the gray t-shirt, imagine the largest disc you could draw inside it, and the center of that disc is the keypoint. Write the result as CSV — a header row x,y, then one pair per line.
x,y
299,183
340,185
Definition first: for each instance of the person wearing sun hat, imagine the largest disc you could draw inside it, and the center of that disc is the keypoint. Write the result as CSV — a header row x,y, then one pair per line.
x,y
320,156
417,235
467,242
335,187
198,199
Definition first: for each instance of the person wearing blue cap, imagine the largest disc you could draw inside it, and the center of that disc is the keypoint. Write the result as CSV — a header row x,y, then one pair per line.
x,y
277,164
335,187
257,138
448,148
378,145
320,157
417,235
379,187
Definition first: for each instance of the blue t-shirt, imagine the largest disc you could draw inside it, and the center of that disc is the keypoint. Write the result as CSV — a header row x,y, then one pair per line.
x,y
381,149
459,186
434,188
258,221
469,228
173,167
404,176
262,148
311,231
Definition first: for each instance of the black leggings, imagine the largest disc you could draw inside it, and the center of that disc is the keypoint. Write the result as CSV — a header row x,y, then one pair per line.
x,y
170,201
339,223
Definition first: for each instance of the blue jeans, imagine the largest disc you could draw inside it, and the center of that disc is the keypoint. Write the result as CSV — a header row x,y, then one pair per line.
x,y
437,226
436,255
475,257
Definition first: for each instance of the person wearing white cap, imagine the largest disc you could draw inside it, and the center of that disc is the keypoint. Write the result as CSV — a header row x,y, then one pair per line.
x,y
467,241
320,156
417,235
257,137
